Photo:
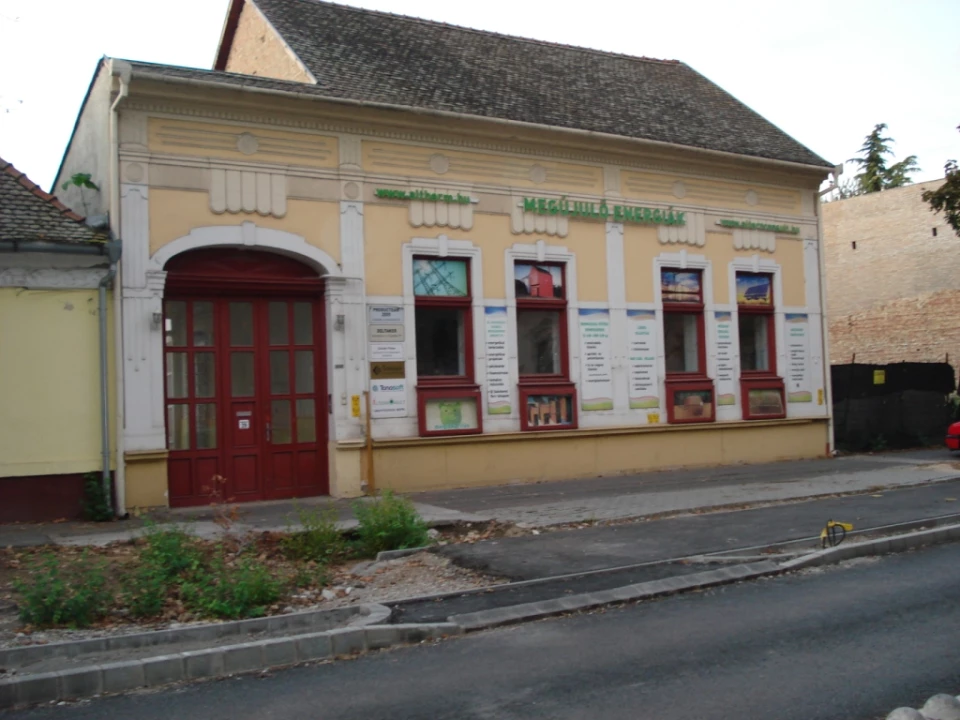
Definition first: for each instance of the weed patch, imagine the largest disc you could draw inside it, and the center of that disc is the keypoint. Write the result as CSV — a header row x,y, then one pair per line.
x,y
389,523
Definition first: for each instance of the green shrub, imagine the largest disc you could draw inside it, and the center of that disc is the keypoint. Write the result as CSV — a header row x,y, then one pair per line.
x,y
389,523
95,501
145,590
244,590
320,540
75,596
170,551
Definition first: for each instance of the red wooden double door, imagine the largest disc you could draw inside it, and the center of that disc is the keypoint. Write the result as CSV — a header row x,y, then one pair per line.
x,y
245,389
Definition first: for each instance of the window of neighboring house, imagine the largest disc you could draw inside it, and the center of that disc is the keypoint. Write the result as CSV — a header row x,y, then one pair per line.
x,y
547,397
448,400
690,392
761,389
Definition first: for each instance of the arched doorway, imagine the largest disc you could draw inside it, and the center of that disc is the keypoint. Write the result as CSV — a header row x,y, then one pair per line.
x,y
244,377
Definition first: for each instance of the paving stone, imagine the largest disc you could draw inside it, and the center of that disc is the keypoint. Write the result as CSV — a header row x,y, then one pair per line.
x,y
8,694
163,669
381,636
40,688
314,647
347,641
122,676
82,682
243,658
202,663
282,651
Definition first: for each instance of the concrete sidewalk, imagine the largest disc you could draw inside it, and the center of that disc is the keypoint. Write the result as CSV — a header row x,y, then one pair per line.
x,y
540,504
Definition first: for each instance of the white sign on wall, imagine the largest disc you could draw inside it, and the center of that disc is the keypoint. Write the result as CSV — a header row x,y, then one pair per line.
x,y
642,357
388,398
385,314
386,352
726,371
498,373
596,386
798,358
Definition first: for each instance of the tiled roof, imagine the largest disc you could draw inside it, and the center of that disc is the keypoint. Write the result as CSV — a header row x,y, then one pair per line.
x,y
380,57
28,214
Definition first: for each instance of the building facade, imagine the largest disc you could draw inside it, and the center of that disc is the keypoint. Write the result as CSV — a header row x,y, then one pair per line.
x,y
337,277
894,294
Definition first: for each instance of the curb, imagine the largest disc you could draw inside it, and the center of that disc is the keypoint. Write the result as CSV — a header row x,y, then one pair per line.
x,y
257,655
485,619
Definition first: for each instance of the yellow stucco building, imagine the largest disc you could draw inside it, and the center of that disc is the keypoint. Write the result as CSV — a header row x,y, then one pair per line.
x,y
374,251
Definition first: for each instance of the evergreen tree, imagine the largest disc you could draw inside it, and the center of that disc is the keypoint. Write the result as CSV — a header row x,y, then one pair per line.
x,y
946,198
874,174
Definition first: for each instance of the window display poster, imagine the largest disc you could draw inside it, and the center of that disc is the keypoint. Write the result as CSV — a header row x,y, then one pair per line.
x,y
549,410
597,381
726,372
498,373
451,414
388,398
798,358
642,357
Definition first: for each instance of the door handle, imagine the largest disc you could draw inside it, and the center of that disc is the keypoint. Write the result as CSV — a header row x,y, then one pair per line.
x,y
268,432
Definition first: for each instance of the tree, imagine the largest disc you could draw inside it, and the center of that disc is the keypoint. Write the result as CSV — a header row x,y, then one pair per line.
x,y
874,174
946,198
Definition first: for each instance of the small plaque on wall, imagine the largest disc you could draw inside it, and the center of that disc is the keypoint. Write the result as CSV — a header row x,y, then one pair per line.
x,y
387,370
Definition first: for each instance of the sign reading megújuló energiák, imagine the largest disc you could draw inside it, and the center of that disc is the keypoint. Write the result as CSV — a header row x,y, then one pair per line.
x,y
602,211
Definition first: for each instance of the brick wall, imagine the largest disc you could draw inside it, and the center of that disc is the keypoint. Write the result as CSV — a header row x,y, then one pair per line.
x,y
896,296
258,50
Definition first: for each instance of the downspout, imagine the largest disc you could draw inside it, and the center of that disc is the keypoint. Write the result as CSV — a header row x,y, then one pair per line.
x,y
114,255
824,331
121,70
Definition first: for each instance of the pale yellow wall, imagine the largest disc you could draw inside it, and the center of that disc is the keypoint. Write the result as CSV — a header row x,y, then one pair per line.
x,y
789,254
640,247
50,381
346,471
428,466
387,228
211,140
381,159
146,480
174,213
709,193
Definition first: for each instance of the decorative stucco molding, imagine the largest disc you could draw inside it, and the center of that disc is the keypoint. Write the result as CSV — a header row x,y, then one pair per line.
x,y
50,278
436,213
693,233
531,223
754,240
237,191
250,236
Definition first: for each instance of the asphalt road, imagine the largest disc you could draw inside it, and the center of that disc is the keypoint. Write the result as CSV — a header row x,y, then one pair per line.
x,y
852,642
580,550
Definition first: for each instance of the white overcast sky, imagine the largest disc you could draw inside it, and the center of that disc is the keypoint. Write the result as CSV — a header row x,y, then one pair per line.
x,y
826,71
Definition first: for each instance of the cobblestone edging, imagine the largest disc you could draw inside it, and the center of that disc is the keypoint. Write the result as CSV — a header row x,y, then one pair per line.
x,y
938,707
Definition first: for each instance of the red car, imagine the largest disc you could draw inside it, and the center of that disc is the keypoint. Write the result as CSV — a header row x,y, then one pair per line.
x,y
953,436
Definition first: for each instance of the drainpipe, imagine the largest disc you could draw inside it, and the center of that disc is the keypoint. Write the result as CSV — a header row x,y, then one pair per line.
x,y
114,256
824,332
120,70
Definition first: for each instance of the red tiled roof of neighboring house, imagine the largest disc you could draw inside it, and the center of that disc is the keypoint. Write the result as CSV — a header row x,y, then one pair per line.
x,y
29,214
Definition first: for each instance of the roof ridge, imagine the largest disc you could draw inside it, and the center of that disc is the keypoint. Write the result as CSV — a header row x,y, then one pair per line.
x,y
487,33
28,184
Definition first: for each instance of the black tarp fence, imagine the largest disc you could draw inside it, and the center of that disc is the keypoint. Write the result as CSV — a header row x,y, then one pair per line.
x,y
891,406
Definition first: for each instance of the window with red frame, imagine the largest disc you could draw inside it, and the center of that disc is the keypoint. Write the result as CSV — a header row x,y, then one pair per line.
x,y
541,322
446,393
761,388
690,392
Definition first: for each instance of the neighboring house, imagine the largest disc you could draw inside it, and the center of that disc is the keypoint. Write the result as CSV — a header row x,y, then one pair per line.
x,y
354,221
892,279
51,268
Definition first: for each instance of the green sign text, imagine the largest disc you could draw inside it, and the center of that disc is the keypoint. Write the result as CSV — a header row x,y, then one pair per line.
x,y
750,225
602,211
457,199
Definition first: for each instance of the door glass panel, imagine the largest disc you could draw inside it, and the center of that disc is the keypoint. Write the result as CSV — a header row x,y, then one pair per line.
x,y
279,372
178,427
206,428
279,334
177,383
204,375
303,323
241,374
202,324
281,433
241,324
304,378
306,421
175,324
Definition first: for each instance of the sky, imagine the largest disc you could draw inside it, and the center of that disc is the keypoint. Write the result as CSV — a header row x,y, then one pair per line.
x,y
825,71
